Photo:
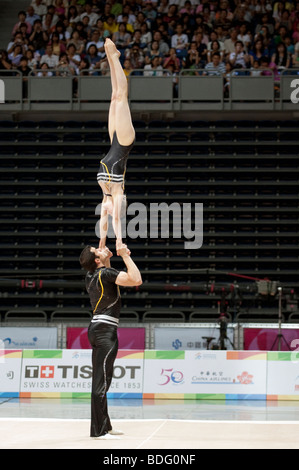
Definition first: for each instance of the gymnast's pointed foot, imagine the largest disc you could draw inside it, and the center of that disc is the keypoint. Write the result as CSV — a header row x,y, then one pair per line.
x,y
110,48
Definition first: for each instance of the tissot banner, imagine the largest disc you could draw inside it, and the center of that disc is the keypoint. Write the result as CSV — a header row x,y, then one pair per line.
x,y
68,373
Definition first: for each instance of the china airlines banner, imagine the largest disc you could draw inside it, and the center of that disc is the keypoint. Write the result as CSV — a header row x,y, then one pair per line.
x,y
205,374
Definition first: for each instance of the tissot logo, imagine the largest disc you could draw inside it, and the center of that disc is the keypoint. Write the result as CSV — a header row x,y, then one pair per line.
x,y
63,372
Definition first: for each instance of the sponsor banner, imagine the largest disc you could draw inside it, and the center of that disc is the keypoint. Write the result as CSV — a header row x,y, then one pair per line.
x,y
174,338
265,339
10,372
283,375
128,338
205,374
68,373
128,374
28,337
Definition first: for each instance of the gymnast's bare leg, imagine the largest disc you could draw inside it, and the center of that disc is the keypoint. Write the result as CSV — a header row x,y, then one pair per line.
x,y
119,121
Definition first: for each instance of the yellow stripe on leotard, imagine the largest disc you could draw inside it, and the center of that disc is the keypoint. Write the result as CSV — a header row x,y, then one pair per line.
x,y
100,273
107,184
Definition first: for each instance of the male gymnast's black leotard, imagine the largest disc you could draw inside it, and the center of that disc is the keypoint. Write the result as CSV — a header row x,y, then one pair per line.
x,y
102,334
113,165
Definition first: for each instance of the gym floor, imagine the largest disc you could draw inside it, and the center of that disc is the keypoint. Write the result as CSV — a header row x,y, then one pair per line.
x,y
40,423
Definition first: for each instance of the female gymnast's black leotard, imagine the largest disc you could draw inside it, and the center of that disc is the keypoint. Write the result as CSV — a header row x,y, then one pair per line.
x,y
113,165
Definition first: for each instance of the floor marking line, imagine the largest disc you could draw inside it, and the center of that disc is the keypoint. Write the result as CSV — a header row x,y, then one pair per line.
x,y
200,421
152,434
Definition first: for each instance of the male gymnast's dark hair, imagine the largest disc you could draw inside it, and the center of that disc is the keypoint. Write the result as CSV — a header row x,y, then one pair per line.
x,y
87,259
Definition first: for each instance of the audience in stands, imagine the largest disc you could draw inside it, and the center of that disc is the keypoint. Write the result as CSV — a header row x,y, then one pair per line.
x,y
215,37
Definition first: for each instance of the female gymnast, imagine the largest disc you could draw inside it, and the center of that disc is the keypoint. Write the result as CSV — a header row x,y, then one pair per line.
x,y
122,135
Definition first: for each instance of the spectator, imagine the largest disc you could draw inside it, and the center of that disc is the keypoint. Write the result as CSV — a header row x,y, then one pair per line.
x,y
49,58
146,34
16,55
31,16
18,39
154,68
152,52
32,61
92,55
192,60
122,37
116,8
110,24
5,62
39,38
258,51
295,57
48,23
227,76
136,57
229,44
125,20
73,15
64,35
282,34
55,17
173,60
64,68
57,44
23,67
24,34
163,46
126,11
171,71
78,43
81,31
239,59
214,37
59,7
187,8
255,70
149,11
171,15
84,67
245,36
86,26
180,41
39,7
163,7
91,15
74,59
98,42
45,72
222,19
216,67
215,47
127,67
281,57
201,47
22,19
265,22
136,39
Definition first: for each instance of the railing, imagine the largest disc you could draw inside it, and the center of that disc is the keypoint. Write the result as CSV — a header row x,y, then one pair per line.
x,y
191,89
